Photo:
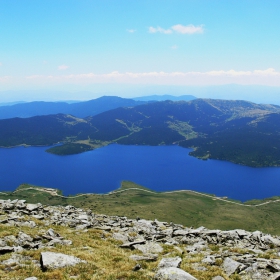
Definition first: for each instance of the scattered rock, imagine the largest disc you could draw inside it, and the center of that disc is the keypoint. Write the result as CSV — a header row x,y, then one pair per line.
x,y
146,236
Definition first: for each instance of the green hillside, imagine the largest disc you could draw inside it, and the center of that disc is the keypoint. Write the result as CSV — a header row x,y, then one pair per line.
x,y
186,207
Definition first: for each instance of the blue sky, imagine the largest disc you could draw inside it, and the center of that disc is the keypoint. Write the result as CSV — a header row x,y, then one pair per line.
x,y
99,46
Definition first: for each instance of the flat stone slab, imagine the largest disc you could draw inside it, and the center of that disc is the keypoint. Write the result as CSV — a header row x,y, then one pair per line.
x,y
120,237
6,249
130,244
50,260
173,273
149,248
170,262
218,278
230,266
147,257
32,207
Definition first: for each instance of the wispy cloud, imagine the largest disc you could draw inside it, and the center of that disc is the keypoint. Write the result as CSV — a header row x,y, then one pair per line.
x,y
131,30
178,28
5,79
174,47
0,63
160,30
62,67
266,77
188,29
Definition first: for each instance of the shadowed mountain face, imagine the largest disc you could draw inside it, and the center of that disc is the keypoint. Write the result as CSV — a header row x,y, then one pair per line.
x,y
238,131
79,109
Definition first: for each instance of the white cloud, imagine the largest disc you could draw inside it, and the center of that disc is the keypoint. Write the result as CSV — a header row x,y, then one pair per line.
x,y
267,72
188,29
178,28
174,47
131,30
160,30
62,67
229,73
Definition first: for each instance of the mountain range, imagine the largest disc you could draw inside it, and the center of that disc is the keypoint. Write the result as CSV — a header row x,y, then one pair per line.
x,y
238,131
79,109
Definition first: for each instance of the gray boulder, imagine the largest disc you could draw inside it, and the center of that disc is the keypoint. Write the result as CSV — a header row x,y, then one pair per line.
x,y
120,237
56,260
230,266
173,273
31,207
149,247
170,262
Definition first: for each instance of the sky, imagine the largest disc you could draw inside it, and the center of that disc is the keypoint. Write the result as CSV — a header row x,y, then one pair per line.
x,y
90,47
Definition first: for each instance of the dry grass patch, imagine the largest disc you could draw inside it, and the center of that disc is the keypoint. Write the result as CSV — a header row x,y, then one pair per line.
x,y
105,260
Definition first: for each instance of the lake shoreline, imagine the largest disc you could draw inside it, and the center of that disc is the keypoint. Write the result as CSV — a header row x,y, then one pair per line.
x,y
59,193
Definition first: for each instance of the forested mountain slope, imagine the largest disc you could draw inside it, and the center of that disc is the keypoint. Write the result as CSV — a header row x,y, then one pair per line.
x,y
238,131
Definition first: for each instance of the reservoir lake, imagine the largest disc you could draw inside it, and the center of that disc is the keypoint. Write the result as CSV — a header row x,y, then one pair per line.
x,y
160,168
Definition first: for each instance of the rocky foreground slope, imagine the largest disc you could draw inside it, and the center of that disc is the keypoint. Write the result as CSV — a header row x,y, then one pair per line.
x,y
55,242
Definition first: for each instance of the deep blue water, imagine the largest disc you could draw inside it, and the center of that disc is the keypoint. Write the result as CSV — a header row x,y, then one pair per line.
x,y
160,168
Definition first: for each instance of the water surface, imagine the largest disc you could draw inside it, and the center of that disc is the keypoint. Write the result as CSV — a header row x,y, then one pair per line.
x,y
161,168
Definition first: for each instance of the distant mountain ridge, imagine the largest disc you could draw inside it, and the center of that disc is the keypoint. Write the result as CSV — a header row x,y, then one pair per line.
x,y
165,97
78,109
11,103
237,131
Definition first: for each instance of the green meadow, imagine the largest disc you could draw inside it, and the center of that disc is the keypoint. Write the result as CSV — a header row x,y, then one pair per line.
x,y
191,209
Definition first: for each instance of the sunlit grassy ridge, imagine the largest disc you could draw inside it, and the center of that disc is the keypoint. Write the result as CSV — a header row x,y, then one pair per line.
x,y
188,208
